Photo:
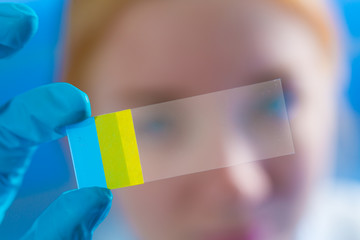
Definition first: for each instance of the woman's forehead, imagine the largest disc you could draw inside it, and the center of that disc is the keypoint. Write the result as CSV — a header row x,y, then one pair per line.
x,y
191,47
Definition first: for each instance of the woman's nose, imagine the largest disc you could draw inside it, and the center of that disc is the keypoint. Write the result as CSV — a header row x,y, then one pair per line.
x,y
244,179
248,182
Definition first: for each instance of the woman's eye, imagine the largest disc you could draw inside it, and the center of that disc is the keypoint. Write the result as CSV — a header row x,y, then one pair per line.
x,y
157,126
274,107
269,110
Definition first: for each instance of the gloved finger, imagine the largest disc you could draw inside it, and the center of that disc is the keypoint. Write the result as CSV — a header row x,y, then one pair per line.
x,y
40,114
29,119
74,215
18,23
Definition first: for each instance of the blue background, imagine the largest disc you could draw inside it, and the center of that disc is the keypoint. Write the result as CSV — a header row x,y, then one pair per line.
x,y
51,172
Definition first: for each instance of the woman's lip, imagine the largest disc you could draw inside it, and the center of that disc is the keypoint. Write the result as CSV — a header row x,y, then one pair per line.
x,y
225,236
252,233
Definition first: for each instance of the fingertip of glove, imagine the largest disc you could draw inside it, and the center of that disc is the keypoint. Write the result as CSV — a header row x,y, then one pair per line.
x,y
27,15
20,23
43,113
74,215
100,201
95,201
105,198
78,99
93,195
101,196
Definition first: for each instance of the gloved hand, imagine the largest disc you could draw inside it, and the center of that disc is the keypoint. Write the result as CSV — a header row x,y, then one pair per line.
x,y
35,117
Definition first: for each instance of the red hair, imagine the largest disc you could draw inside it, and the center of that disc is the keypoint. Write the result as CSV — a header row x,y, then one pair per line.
x,y
90,19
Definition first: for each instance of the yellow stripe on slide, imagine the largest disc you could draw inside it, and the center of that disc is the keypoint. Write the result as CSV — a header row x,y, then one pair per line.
x,y
111,148
130,148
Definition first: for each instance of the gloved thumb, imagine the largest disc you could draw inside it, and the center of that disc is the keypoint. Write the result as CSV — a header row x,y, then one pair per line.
x,y
74,215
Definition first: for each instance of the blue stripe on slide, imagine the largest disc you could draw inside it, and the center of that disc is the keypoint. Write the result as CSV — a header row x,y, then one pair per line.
x,y
85,152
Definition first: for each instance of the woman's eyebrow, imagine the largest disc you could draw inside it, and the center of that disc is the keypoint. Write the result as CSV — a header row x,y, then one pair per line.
x,y
142,97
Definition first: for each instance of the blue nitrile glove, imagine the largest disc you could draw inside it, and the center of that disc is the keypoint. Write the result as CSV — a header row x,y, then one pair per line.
x,y
35,117
18,23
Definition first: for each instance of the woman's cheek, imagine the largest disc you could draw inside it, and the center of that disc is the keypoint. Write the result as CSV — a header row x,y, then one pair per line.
x,y
154,204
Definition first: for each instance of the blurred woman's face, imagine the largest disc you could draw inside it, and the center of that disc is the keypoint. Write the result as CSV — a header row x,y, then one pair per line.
x,y
161,50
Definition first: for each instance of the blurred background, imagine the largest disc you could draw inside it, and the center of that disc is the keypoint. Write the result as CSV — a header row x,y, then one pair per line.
x,y
51,172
